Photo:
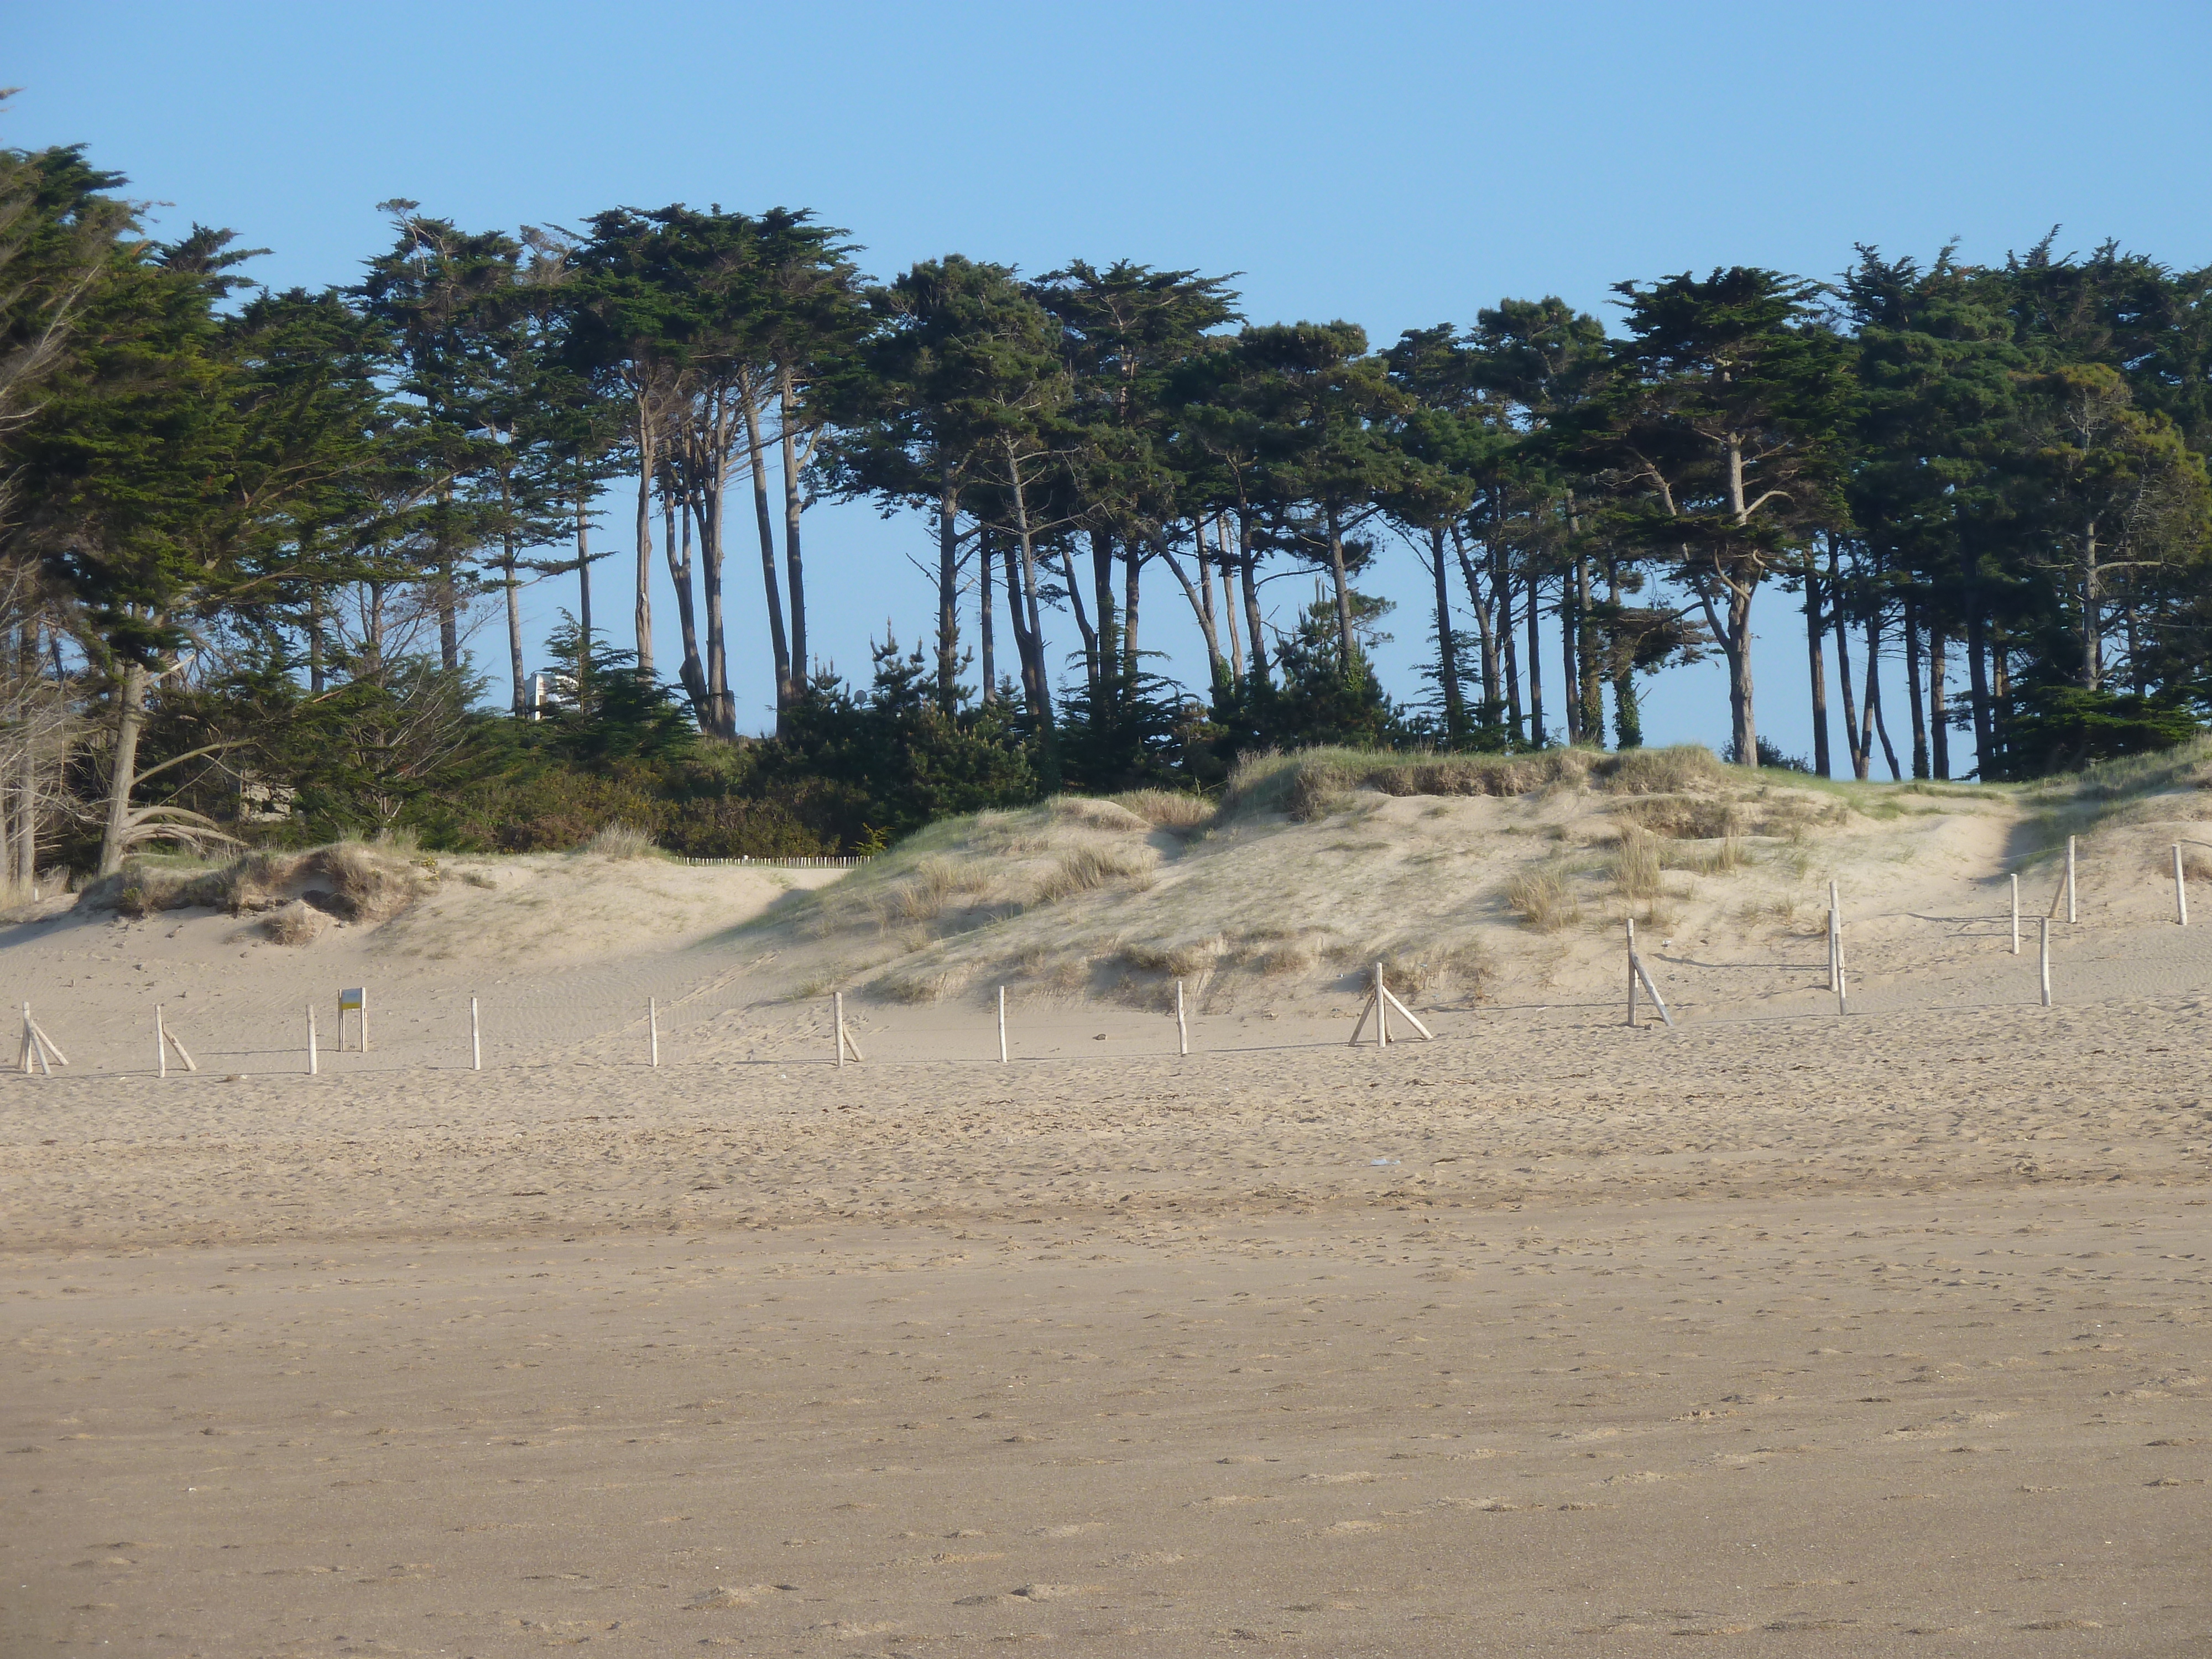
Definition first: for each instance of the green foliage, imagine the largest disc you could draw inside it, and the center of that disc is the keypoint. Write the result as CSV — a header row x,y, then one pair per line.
x,y
2063,728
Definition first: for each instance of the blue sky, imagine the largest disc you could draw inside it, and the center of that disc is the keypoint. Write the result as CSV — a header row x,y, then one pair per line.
x,y
1397,165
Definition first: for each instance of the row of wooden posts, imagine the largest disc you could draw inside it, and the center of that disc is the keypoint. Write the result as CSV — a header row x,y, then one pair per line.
x,y
40,1051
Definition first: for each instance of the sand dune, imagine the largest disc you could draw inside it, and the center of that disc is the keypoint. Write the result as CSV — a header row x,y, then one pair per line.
x,y
1789,1332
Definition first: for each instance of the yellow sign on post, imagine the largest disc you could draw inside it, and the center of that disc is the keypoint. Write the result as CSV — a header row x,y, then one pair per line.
x,y
354,1001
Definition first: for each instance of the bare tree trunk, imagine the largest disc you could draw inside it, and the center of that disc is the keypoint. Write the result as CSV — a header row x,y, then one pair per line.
x,y
123,772
1200,595
1735,646
1912,697
1876,726
1447,657
1587,642
690,671
1034,684
1099,646
1816,663
1248,566
1537,736
513,596
583,589
1227,562
1569,660
948,588
794,503
1508,664
1986,763
983,620
1843,658
1348,651
779,645
1486,625
1627,707
317,646
1133,550
1939,712
1862,762
642,613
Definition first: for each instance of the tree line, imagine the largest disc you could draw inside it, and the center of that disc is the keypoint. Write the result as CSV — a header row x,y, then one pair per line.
x,y
245,534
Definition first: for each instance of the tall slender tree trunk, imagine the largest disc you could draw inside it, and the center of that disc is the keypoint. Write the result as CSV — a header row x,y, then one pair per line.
x,y
1843,657
1133,550
794,503
1348,651
1447,657
711,505
1538,738
1817,667
583,590
1104,641
1915,704
1501,581
641,616
1038,690
948,588
1588,641
1735,646
1200,596
1227,562
756,450
317,645
123,771
986,637
510,586
1987,765
449,618
690,671
1627,707
1862,762
1939,710
1875,724
1486,628
1248,566
1571,691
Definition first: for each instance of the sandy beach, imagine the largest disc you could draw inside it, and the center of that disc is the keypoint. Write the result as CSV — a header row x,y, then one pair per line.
x,y
1794,1334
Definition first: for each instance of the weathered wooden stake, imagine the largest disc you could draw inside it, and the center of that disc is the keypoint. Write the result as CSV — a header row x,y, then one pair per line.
x,y
652,1031
161,1044
36,1046
2015,914
1631,970
2043,955
1381,1012
476,1038
846,1043
1837,973
1411,1018
1002,1026
1183,1026
314,1061
2180,889
2071,916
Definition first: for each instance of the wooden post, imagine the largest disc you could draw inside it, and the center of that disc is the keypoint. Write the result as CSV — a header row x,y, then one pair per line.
x,y
1381,1012
161,1044
315,1062
476,1038
2043,955
2015,914
1002,1026
1838,974
2180,889
652,1032
34,1046
1631,970
838,1000
1183,1026
2071,914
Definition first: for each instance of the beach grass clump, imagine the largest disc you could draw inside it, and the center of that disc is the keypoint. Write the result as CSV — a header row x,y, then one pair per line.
x,y
620,841
1543,898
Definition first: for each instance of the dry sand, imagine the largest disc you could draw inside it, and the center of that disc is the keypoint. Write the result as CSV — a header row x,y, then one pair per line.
x,y
1792,1334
